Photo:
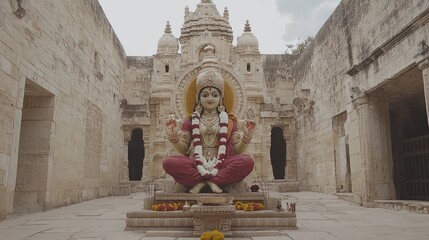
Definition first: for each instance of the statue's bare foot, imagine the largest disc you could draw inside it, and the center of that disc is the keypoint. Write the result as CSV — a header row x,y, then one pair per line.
x,y
215,188
197,188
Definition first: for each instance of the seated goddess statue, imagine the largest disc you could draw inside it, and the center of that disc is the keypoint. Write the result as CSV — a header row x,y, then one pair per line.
x,y
210,146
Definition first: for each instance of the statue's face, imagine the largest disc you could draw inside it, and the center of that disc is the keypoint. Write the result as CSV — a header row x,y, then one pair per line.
x,y
210,98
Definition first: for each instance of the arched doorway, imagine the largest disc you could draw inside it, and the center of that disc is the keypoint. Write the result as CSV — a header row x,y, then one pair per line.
x,y
135,155
278,153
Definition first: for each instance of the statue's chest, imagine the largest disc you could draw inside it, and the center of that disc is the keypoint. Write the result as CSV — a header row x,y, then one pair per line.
x,y
209,135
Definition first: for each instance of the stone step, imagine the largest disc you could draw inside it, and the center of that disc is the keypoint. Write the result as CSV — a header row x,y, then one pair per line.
x,y
421,207
240,220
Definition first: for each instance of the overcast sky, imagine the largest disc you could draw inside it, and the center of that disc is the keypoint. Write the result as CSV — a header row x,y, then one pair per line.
x,y
140,23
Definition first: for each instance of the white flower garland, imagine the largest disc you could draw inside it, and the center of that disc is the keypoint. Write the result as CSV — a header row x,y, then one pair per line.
x,y
209,168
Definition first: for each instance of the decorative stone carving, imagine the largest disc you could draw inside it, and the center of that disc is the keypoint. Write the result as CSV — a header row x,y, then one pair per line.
x,y
291,207
250,114
303,103
424,65
209,218
423,48
358,97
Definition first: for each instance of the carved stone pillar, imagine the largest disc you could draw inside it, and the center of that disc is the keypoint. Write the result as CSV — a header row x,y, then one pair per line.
x,y
290,159
424,66
361,105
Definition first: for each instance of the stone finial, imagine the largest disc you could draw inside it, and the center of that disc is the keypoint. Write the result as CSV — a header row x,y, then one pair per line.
x,y
186,11
206,1
247,27
226,14
167,28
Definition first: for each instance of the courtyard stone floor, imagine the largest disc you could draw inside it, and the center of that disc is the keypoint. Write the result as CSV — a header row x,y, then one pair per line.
x,y
320,217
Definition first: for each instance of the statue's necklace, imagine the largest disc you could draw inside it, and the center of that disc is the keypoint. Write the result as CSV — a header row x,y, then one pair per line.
x,y
210,133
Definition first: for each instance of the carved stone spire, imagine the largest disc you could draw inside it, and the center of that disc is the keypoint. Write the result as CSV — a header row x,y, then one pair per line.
x,y
206,17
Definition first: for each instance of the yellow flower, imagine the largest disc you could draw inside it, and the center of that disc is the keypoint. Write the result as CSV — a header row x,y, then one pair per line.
x,y
213,235
252,206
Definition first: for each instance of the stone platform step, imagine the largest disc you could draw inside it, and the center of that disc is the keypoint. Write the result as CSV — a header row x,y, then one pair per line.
x,y
184,221
162,197
237,234
257,196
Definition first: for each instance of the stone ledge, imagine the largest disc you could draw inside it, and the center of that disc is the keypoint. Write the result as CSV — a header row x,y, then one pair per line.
x,y
193,197
420,207
284,186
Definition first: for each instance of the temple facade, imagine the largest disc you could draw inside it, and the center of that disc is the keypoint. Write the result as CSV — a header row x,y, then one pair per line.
x,y
80,119
260,86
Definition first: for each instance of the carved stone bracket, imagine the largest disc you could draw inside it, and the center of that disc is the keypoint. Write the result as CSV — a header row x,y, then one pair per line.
x,y
423,49
358,97
209,218
20,12
424,64
303,103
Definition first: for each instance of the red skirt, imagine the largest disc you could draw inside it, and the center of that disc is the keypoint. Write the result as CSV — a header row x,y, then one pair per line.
x,y
184,170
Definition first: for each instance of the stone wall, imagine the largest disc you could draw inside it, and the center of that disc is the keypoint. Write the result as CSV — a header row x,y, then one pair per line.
x,y
361,46
65,60
277,110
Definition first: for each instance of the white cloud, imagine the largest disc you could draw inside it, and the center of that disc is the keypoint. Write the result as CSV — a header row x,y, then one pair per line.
x,y
306,17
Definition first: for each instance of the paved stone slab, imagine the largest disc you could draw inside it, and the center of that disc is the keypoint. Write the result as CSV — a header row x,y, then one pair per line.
x,y
320,217
312,235
272,238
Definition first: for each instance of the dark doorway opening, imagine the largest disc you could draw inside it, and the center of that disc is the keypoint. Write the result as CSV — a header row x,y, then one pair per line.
x,y
410,136
410,139
136,153
278,153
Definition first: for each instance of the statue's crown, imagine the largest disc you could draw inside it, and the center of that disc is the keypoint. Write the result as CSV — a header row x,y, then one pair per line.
x,y
210,78
209,75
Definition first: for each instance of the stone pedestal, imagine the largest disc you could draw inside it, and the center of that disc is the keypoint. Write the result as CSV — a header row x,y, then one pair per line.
x,y
200,218
209,218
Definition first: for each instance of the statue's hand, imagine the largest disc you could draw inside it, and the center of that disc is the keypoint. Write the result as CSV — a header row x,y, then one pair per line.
x,y
172,125
249,128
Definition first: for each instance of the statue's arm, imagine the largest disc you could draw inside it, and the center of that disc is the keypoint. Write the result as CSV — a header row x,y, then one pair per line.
x,y
181,142
180,139
242,141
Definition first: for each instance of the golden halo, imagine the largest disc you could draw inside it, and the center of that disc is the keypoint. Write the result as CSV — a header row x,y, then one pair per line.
x,y
190,96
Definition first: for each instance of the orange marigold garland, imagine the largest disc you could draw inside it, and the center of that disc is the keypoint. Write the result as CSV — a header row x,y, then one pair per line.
x,y
167,206
252,206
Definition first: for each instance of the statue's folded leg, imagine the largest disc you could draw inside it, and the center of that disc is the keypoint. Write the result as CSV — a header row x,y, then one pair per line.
x,y
183,170
234,169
